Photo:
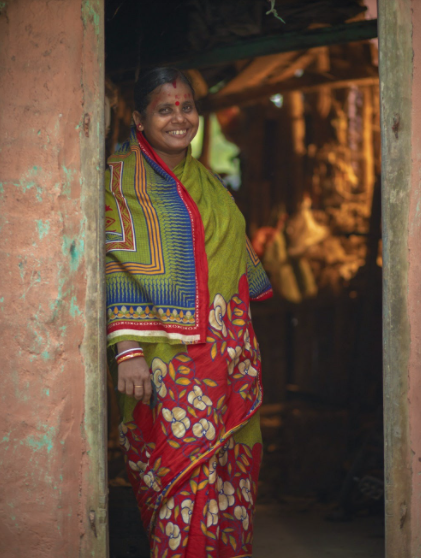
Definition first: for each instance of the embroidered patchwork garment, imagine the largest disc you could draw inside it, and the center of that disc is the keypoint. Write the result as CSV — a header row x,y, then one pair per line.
x,y
193,460
156,264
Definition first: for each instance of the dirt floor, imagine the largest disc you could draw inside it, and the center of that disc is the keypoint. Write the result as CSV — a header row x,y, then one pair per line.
x,y
294,530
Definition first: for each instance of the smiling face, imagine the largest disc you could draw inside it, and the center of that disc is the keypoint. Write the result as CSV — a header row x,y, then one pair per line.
x,y
170,121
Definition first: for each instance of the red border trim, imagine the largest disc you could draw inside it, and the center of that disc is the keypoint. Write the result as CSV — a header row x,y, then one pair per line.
x,y
198,232
264,296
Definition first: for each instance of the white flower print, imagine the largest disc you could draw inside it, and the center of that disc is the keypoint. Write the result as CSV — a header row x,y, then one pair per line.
x,y
122,438
138,467
216,315
173,532
246,338
212,469
226,494
165,511
187,510
246,369
240,513
180,423
212,516
204,428
159,371
246,489
198,400
234,355
223,452
150,480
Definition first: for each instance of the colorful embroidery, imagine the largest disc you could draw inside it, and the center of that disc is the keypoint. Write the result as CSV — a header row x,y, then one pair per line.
x,y
144,312
166,271
260,287
124,238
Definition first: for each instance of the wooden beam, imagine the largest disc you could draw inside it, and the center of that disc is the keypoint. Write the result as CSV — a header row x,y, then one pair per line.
x,y
284,42
258,71
306,83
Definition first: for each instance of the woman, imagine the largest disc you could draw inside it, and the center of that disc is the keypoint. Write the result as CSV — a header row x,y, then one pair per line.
x,y
180,274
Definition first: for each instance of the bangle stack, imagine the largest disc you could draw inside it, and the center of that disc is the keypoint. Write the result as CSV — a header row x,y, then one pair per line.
x,y
130,353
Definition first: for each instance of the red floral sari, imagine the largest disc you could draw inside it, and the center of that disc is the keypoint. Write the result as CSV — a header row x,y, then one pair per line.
x,y
194,483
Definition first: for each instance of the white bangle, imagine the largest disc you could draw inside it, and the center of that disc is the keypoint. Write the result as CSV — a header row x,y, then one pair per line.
x,y
129,351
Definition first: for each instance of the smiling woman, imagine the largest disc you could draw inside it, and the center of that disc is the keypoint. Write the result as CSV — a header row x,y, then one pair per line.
x,y
166,114
180,276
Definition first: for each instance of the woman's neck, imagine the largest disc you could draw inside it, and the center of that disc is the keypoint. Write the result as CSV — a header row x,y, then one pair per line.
x,y
171,160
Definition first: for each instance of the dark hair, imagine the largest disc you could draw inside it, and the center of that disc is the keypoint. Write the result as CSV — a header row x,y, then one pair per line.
x,y
149,79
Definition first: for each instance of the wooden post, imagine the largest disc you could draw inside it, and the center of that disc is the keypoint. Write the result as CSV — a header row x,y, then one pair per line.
x,y
93,349
368,144
294,107
400,80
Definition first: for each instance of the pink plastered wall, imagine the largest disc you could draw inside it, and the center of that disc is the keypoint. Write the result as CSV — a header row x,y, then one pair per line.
x,y
414,289
43,280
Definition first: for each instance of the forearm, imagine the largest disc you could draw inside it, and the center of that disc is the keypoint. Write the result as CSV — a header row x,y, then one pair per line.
x,y
125,345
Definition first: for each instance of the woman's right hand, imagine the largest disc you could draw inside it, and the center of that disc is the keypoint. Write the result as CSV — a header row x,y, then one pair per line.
x,y
134,379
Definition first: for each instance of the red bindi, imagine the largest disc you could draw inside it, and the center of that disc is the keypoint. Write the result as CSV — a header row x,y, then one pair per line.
x,y
177,103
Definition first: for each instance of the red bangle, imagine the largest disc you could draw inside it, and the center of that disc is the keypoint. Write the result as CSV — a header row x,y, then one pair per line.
x,y
136,353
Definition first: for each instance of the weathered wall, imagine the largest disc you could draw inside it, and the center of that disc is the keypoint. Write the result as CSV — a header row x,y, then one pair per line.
x,y
50,291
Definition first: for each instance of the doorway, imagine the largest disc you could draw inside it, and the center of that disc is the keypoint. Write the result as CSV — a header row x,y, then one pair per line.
x,y
304,130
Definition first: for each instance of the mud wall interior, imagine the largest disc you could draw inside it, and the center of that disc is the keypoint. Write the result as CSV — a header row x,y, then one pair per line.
x,y
51,121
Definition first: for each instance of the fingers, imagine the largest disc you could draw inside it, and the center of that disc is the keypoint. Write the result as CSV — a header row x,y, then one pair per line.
x,y
138,391
134,379
148,391
121,385
129,387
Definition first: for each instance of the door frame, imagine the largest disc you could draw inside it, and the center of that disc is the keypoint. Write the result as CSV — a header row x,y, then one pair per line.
x,y
399,48
397,83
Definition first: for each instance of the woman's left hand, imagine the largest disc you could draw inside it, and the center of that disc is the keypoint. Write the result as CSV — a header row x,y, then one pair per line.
x,y
134,377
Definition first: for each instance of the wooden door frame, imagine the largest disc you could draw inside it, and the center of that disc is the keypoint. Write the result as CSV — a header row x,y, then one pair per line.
x,y
92,154
400,133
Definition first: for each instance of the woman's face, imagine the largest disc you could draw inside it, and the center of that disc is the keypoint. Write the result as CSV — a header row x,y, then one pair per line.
x,y
171,119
